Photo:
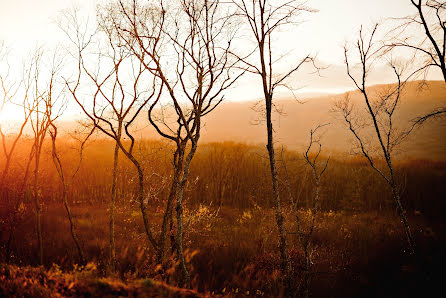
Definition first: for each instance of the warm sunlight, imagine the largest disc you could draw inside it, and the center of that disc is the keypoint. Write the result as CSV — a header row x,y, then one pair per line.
x,y
11,113
39,25
207,148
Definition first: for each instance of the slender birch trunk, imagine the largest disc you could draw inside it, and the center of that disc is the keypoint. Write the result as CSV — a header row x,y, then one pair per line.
x,y
404,221
167,218
37,203
112,264
179,208
58,165
13,221
285,262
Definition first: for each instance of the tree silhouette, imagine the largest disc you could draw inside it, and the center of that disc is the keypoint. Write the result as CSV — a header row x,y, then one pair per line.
x,y
380,116
264,18
186,46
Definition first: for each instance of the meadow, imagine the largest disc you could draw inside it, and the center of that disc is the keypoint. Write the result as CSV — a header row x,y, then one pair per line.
x,y
358,248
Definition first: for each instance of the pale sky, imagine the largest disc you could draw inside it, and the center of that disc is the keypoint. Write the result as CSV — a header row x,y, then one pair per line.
x,y
26,23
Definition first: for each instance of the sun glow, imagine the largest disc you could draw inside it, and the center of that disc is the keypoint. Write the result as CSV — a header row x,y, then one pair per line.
x,y
10,115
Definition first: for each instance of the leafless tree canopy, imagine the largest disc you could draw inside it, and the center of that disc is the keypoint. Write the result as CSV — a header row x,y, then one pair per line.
x,y
179,57
423,34
378,145
186,46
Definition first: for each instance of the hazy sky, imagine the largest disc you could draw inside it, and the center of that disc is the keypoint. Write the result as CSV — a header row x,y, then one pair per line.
x,y
26,23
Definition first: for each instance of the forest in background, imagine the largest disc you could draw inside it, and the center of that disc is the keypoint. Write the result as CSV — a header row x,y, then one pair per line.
x,y
230,174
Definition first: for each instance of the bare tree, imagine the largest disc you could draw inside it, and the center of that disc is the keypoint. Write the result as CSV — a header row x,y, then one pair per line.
x,y
45,103
121,90
424,35
19,201
10,92
427,39
311,159
380,116
187,47
264,18
8,152
66,184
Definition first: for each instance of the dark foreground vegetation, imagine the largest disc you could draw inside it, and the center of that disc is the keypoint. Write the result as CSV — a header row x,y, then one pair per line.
x,y
358,248
81,282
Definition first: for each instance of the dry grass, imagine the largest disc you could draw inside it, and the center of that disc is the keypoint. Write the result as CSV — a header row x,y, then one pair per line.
x,y
236,251
358,247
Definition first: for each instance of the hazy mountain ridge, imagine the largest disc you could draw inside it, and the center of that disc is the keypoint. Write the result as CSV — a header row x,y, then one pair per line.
x,y
235,121
243,122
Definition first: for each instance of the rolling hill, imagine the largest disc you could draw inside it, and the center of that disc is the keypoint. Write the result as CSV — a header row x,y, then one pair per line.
x,y
242,122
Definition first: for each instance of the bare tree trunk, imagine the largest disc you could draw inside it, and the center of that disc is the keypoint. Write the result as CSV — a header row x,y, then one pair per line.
x,y
172,236
167,218
307,273
179,208
399,206
112,265
402,214
58,165
285,262
185,279
13,221
142,205
72,227
4,188
37,203
185,276
307,241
